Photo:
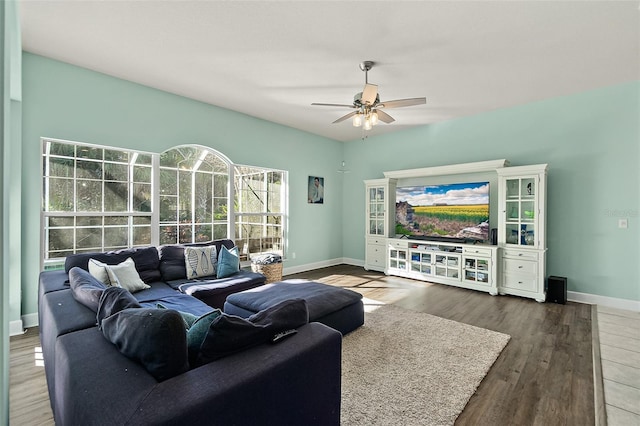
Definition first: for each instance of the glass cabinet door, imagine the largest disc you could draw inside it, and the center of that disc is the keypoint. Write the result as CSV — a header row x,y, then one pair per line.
x,y
520,208
376,207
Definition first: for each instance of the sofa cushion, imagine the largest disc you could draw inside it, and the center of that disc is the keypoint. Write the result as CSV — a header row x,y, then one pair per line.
x,y
113,300
172,264
200,261
229,334
98,270
85,288
146,260
229,262
154,337
126,276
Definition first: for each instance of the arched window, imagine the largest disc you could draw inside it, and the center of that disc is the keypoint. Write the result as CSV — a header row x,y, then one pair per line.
x,y
194,195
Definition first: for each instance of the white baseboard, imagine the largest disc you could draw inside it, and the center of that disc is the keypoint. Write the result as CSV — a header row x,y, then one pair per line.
x,y
30,320
311,266
15,328
611,302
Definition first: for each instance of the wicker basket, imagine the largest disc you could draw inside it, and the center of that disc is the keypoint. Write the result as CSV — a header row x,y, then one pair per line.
x,y
272,271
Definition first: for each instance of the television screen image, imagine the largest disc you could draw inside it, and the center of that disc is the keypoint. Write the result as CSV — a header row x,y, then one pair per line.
x,y
457,211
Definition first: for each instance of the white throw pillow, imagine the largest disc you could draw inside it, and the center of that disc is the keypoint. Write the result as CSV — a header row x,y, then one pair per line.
x,y
99,271
200,261
126,276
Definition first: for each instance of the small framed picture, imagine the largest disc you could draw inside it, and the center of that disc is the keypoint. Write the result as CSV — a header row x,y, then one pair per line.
x,y
315,190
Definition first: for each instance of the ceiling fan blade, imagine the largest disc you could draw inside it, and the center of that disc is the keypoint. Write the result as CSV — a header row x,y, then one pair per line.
x,y
383,116
334,105
369,94
398,103
344,117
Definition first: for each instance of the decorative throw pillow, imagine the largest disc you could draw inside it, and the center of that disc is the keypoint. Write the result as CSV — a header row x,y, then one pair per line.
x,y
200,261
229,334
126,276
197,333
99,271
85,288
229,262
187,317
154,337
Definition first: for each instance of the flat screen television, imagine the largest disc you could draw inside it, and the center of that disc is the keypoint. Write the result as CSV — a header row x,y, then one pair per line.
x,y
446,212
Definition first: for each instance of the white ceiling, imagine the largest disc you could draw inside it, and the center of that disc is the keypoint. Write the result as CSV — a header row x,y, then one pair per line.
x,y
271,59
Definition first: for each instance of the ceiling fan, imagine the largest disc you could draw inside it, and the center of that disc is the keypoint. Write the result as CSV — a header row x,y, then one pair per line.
x,y
367,105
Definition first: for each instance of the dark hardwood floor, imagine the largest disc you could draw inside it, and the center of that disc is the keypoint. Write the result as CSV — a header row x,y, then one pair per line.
x,y
544,376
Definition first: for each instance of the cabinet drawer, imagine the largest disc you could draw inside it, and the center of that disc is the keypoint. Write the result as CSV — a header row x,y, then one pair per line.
x,y
376,255
517,266
520,282
520,254
477,251
377,240
398,244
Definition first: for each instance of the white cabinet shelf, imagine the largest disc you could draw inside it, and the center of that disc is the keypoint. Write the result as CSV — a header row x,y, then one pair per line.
x,y
461,265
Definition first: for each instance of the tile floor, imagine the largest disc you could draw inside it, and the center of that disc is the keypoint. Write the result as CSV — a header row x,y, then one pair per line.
x,y
620,356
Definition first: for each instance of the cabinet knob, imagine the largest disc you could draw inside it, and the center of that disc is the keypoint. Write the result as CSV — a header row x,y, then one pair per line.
x,y
519,254
520,267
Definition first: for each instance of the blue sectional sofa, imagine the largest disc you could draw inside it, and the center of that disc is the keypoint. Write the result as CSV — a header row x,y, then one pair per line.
x,y
92,382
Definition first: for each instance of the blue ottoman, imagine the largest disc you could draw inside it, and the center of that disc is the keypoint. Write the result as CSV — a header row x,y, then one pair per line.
x,y
336,307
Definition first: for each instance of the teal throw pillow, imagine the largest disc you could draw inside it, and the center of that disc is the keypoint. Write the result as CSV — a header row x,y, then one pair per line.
x,y
228,263
187,317
198,331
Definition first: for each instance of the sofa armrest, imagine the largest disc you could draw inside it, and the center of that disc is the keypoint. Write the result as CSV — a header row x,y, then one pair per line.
x,y
296,381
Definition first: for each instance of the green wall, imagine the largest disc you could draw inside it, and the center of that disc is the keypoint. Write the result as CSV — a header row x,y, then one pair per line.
x,y
67,102
590,141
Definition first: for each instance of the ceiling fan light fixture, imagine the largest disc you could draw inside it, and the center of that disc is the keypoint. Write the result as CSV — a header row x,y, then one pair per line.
x,y
374,118
367,123
357,120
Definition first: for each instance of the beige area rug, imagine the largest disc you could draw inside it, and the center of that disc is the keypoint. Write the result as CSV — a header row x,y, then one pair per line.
x,y
411,368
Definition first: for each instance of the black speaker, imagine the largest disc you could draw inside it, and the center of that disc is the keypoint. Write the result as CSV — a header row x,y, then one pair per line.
x,y
557,290
494,236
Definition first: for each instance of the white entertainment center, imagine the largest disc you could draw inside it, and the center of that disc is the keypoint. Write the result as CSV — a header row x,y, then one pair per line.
x,y
515,265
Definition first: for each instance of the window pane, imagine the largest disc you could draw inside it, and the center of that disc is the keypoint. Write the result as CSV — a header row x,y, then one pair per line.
x,y
60,221
168,182
220,186
170,158
141,235
203,233
221,209
89,196
60,195
184,234
118,156
116,220
219,231
184,205
142,220
119,172
62,149
60,239
116,236
168,209
141,197
89,152
89,238
62,167
202,198
89,221
168,234
143,159
88,169
116,197
142,174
